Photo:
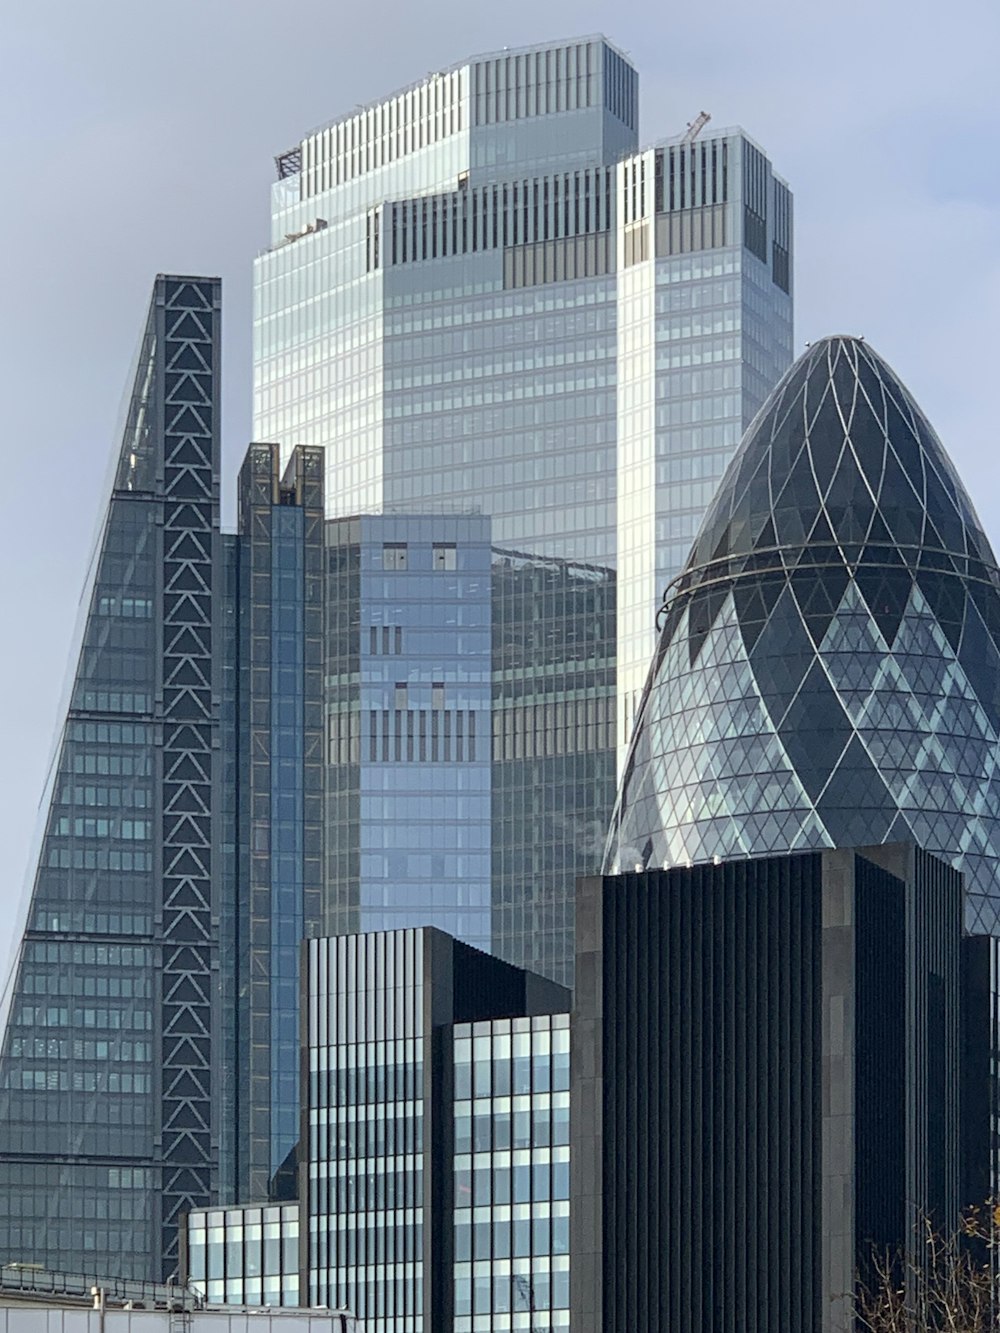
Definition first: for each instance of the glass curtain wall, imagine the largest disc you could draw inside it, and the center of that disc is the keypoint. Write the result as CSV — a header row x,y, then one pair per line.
x,y
107,1124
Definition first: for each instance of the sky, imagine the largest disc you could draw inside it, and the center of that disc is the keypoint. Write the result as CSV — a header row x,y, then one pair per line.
x,y
140,139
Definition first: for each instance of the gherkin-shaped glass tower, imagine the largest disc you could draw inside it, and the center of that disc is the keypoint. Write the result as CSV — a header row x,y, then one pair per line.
x,y
828,667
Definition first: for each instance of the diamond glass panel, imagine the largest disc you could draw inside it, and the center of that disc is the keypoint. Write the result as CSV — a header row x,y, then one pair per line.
x,y
829,660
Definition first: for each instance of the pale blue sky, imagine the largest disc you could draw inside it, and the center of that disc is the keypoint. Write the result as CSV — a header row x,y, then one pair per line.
x,y
139,138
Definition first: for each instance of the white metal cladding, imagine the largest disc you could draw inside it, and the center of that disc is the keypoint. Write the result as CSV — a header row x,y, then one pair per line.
x,y
507,86
408,121
517,84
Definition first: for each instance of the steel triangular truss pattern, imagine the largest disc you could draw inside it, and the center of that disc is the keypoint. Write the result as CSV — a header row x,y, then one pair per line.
x,y
190,528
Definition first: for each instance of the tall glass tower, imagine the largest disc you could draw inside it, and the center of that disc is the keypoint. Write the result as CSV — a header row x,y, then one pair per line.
x,y
107,1135
828,670
480,293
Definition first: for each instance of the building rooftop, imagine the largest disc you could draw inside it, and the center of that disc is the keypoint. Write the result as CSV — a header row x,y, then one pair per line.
x,y
22,1283
289,161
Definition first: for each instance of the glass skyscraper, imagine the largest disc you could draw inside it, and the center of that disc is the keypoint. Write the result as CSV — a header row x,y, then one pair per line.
x,y
478,291
704,332
273,793
434,1185
480,295
389,329
107,1112
408,685
828,671
553,749
504,356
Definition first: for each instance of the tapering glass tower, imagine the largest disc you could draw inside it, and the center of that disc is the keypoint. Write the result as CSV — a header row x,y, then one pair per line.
x,y
106,1129
828,669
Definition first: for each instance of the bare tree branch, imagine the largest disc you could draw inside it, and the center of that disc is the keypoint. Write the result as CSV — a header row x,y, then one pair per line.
x,y
946,1284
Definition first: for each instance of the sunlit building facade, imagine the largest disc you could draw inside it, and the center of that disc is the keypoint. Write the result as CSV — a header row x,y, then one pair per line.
x,y
435,1186
479,292
828,670
408,686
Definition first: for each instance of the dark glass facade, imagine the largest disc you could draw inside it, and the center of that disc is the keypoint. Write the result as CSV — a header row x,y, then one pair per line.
x,y
553,750
276,751
828,669
765,1085
107,1119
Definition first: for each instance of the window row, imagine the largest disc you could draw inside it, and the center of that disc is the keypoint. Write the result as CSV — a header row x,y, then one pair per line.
x,y
486,1293
138,798
79,1080
538,1127
109,1020
109,733
61,858
492,1238
524,1182
115,765
59,983
55,1048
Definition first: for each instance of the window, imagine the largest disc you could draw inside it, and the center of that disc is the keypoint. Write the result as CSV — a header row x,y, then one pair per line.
x,y
394,555
444,555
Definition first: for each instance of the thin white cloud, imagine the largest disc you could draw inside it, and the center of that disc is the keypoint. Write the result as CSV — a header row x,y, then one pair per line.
x,y
139,139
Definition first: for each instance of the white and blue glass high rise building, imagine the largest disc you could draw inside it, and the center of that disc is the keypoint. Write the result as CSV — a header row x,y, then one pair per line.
x,y
481,295
479,290
408,694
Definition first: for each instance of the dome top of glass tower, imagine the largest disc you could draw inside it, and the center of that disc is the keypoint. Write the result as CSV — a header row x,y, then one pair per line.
x,y
840,453
828,669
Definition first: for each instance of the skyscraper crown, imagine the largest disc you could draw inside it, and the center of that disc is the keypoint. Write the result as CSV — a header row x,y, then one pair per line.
x,y
840,455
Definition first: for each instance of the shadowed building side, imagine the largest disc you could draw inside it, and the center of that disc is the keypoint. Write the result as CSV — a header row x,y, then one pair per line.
x,y
766,1050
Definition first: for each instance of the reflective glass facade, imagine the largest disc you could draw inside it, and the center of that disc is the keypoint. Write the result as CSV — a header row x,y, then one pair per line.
x,y
511,1118
469,734
705,332
275,750
106,1075
395,321
382,1180
408,687
478,292
553,750
243,1256
828,671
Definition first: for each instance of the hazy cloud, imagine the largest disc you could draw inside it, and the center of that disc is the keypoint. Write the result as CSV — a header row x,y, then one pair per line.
x,y
140,139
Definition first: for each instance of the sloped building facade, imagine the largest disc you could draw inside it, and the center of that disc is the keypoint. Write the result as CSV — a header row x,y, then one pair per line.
x,y
106,1134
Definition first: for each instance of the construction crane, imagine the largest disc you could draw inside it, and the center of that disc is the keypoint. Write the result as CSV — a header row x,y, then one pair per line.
x,y
696,126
